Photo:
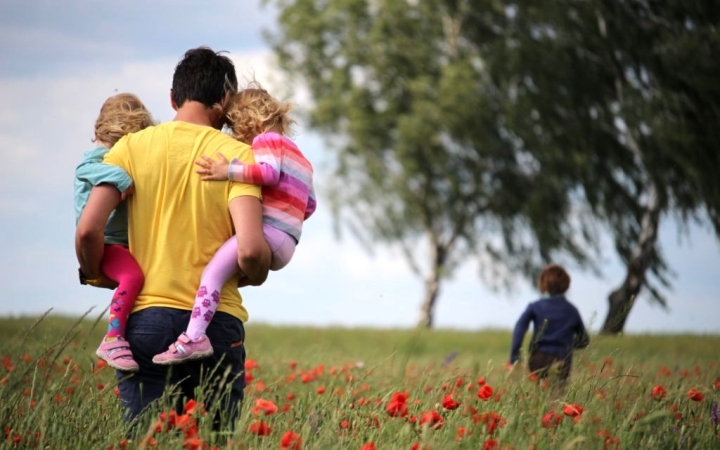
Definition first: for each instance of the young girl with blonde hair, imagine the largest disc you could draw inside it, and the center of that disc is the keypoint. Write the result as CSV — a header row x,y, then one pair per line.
x,y
256,118
120,115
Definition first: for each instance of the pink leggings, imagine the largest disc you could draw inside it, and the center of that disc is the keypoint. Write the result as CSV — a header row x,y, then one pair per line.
x,y
223,266
120,266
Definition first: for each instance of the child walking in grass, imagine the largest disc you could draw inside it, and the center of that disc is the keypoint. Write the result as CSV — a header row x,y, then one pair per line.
x,y
557,327
285,175
121,114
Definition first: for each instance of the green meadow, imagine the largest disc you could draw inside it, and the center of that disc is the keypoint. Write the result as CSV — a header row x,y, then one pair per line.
x,y
318,388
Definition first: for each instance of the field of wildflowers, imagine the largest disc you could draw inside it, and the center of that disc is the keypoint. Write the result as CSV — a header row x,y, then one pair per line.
x,y
373,389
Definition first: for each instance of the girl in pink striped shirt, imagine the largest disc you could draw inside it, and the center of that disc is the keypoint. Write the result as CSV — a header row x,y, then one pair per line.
x,y
288,200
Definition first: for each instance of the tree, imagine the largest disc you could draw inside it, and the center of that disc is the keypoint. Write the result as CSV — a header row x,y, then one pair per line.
x,y
509,132
628,88
424,158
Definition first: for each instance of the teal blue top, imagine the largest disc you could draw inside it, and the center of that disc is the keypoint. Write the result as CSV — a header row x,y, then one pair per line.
x,y
92,172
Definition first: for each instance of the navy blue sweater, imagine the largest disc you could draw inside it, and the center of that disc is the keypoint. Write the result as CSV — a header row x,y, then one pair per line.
x,y
557,328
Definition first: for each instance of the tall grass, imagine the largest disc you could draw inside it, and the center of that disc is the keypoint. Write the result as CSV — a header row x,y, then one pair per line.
x,y
332,387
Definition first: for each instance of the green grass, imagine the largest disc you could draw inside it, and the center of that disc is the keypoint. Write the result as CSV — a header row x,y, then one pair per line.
x,y
54,395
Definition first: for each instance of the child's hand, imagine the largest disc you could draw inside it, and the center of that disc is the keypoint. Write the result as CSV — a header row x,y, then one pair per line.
x,y
213,170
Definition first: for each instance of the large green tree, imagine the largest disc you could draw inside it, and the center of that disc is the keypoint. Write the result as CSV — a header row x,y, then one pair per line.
x,y
417,124
629,89
503,130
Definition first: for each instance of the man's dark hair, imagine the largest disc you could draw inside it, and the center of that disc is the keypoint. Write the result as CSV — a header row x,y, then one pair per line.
x,y
203,76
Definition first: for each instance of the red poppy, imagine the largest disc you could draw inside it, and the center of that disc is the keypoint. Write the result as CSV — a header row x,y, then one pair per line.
x,y
448,402
551,420
194,443
185,423
368,446
397,406
292,364
432,419
485,392
290,441
491,420
264,406
572,410
260,428
695,395
250,364
481,381
659,392
320,390
462,432
611,442
373,421
191,406
491,444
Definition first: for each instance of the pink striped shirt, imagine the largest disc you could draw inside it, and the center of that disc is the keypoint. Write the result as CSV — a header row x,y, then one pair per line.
x,y
286,179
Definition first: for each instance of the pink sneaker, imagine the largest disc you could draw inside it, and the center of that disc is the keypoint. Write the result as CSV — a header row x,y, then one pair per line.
x,y
185,349
117,355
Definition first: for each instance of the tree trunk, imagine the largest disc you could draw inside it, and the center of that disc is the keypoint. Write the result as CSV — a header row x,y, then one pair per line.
x,y
432,287
622,299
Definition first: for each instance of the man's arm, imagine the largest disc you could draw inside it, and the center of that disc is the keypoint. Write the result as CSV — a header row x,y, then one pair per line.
x,y
90,232
253,252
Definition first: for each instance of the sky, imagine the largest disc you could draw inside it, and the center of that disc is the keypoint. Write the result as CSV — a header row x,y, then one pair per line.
x,y
60,60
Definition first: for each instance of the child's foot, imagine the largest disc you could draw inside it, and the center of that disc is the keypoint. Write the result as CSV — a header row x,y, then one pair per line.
x,y
185,349
117,355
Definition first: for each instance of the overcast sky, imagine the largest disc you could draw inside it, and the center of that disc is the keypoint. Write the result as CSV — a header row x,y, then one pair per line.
x,y
60,60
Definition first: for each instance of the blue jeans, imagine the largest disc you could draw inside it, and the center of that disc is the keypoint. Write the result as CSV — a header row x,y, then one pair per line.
x,y
151,331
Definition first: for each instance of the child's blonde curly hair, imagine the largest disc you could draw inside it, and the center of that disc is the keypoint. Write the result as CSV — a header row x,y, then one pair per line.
x,y
121,114
253,111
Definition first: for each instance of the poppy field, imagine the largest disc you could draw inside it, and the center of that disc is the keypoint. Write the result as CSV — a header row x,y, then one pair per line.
x,y
367,389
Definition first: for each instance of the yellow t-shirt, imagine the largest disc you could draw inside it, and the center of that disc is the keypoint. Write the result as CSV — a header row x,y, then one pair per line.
x,y
176,221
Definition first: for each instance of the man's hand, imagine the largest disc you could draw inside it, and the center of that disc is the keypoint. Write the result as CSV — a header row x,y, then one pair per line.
x,y
213,170
243,281
128,192
102,281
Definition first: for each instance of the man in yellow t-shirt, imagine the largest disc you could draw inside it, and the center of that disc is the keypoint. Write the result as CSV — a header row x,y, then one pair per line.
x,y
176,223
